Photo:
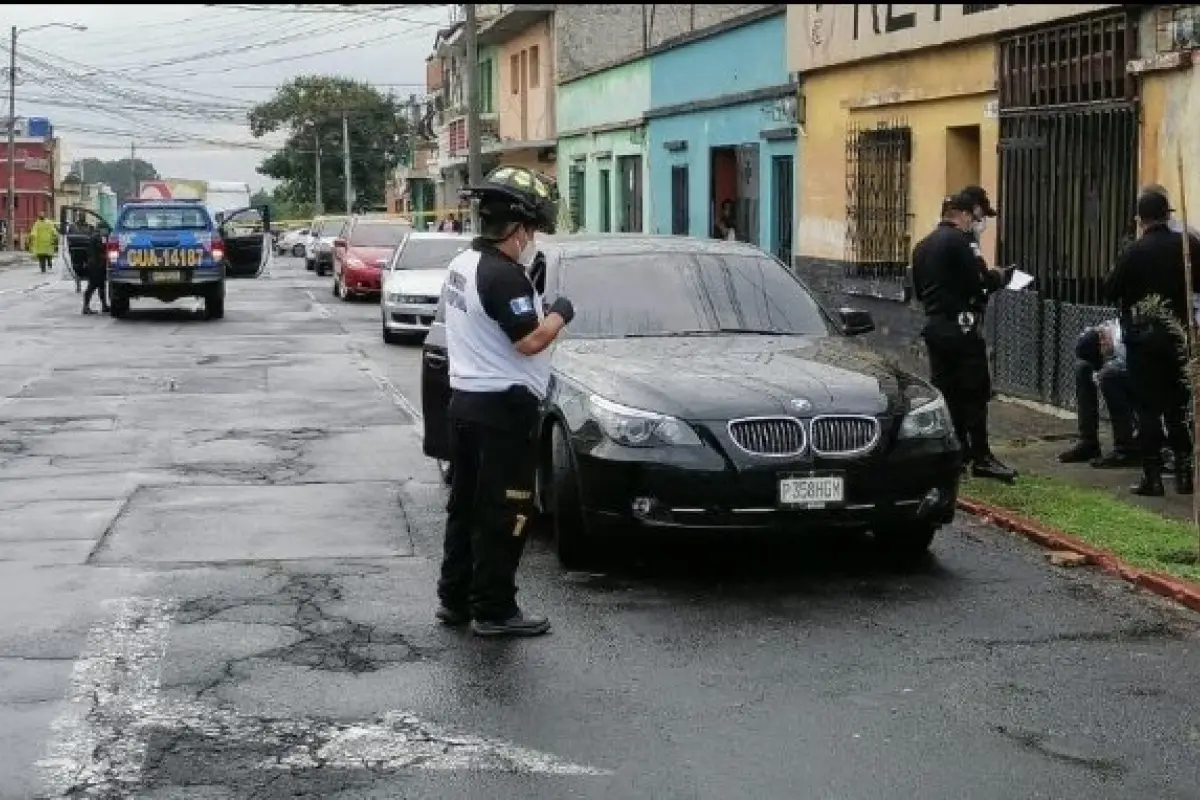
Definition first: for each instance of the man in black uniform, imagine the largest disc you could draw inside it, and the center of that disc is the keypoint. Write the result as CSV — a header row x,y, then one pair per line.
x,y
949,283
498,338
1150,291
97,272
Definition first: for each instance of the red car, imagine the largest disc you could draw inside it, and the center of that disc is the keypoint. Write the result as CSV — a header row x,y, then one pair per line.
x,y
362,252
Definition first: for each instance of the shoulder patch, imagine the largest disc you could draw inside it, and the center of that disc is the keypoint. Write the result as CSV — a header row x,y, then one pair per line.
x,y
521,305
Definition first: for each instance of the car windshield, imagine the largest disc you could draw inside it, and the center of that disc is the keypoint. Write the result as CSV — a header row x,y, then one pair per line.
x,y
332,226
686,294
430,253
378,234
161,219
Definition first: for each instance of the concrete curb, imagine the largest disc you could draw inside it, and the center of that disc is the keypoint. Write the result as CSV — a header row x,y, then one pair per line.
x,y
1181,591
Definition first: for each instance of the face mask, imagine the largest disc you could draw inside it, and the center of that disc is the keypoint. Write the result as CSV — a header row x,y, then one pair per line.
x,y
979,226
528,253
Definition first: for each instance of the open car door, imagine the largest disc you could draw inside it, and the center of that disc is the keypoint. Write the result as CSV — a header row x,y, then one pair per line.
x,y
247,236
75,225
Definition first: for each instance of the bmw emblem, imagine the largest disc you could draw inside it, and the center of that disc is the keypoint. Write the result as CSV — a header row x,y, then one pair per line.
x,y
800,404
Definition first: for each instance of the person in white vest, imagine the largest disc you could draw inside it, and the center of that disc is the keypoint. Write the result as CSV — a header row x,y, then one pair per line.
x,y
498,340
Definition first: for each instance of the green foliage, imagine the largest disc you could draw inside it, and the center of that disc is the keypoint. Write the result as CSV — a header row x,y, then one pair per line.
x,y
117,174
309,109
282,208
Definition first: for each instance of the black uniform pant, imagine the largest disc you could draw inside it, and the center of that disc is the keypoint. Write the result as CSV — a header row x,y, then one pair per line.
x,y
491,506
1156,370
96,284
45,262
1114,384
958,367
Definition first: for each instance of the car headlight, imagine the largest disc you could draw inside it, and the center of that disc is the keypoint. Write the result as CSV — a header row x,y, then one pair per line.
x,y
634,427
928,419
407,299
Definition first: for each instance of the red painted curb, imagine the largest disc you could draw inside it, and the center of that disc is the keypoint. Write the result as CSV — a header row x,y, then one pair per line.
x,y
1183,592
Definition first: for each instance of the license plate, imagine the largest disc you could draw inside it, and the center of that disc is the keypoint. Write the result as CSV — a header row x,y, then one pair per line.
x,y
151,258
812,492
166,277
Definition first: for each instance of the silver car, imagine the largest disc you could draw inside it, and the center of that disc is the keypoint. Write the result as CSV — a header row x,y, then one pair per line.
x,y
412,283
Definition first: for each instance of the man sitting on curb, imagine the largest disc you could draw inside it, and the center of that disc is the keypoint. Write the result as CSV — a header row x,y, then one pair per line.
x,y
1100,362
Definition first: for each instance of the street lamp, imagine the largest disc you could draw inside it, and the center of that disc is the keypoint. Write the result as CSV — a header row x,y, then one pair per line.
x,y
12,120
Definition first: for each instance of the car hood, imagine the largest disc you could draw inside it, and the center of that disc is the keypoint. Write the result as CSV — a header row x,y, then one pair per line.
x,y
370,256
420,282
723,377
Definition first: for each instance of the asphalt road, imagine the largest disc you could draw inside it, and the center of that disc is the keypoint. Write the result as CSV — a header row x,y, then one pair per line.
x,y
218,543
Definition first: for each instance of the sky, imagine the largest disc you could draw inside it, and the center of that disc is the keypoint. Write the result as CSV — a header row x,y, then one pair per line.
x,y
176,81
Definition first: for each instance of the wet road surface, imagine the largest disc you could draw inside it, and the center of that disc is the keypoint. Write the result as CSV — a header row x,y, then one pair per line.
x,y
218,543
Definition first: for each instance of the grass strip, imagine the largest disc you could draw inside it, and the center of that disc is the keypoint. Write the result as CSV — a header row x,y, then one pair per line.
x,y
1138,536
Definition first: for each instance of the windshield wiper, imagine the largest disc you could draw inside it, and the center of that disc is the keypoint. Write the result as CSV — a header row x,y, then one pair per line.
x,y
667,334
755,331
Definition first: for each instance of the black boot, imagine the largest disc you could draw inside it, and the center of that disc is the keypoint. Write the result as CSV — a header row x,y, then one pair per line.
x,y
1151,484
1083,451
1184,474
988,466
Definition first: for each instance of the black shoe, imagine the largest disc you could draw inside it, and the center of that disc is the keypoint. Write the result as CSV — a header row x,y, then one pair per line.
x,y
991,467
1151,484
88,310
1184,476
452,617
105,309
1080,453
1116,460
519,625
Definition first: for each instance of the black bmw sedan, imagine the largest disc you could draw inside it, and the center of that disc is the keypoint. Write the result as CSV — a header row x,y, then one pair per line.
x,y
702,387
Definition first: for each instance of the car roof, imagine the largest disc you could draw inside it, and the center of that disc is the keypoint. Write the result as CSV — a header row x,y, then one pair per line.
x,y
382,218
433,235
588,244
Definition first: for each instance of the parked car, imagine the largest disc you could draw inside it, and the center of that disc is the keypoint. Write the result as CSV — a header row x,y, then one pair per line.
x,y
701,387
412,283
319,255
362,251
292,243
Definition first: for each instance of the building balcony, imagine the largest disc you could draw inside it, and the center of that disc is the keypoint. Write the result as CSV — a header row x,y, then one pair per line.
x,y
513,20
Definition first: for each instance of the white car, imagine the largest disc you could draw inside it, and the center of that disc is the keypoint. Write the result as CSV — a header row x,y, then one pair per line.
x,y
318,254
412,283
293,243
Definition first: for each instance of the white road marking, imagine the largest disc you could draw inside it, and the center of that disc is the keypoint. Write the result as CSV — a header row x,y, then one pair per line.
x,y
94,746
98,744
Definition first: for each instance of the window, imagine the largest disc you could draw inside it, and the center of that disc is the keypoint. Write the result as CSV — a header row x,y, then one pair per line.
x,y
515,81
165,218
878,190
576,196
430,253
606,201
753,292
634,293
535,68
487,100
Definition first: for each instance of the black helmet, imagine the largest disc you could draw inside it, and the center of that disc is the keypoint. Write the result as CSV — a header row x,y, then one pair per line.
x,y
517,194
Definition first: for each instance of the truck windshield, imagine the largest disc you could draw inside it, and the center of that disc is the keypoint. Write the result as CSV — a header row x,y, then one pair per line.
x,y
157,219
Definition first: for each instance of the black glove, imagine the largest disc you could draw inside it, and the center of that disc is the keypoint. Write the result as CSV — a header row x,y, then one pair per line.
x,y
562,306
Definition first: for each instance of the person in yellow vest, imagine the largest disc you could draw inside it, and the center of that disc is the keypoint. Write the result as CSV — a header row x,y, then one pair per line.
x,y
43,241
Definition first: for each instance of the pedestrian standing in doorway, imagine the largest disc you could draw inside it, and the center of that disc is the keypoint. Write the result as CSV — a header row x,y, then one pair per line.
x,y
97,273
43,242
498,339
1148,287
726,225
949,283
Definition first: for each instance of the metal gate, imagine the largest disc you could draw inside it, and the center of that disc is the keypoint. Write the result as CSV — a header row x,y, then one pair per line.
x,y
782,199
679,200
1068,180
878,212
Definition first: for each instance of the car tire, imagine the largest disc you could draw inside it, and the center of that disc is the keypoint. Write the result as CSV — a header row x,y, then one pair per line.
x,y
342,291
391,337
336,289
298,250
907,542
118,307
564,506
446,470
310,265
214,305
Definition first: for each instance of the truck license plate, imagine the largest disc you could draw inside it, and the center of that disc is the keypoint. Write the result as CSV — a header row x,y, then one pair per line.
x,y
812,492
166,277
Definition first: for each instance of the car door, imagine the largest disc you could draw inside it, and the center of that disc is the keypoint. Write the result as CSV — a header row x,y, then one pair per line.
x,y
435,387
73,239
247,236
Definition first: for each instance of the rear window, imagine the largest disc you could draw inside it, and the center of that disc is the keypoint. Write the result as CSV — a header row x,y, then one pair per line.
x,y
430,253
379,234
182,218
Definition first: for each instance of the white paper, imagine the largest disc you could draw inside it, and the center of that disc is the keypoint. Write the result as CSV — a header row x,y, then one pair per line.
x,y
1019,280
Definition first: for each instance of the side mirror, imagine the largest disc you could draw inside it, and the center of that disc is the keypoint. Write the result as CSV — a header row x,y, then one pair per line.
x,y
856,322
339,244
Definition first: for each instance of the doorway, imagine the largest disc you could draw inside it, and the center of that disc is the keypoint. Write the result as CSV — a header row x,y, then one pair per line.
x,y
782,199
962,157
606,200
734,172
679,200
629,213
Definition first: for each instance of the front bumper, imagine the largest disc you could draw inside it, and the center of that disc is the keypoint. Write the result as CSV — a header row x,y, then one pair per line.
x,y
408,317
129,283
655,489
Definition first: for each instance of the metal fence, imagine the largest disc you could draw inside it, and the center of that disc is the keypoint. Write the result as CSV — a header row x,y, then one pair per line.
x,y
878,207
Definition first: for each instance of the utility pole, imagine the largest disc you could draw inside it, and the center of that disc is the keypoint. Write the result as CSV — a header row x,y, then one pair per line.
x,y
12,144
346,161
133,181
474,167
318,206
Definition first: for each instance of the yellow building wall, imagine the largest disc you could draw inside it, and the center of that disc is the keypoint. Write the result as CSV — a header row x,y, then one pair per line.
x,y
518,97
1170,124
933,91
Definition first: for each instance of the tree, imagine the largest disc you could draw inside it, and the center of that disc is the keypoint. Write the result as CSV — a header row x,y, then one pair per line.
x,y
281,209
117,174
310,109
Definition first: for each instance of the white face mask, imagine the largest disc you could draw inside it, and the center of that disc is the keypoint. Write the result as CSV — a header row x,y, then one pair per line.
x,y
528,253
979,226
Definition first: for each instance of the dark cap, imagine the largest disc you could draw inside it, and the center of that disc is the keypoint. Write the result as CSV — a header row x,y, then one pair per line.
x,y
959,202
980,197
1153,206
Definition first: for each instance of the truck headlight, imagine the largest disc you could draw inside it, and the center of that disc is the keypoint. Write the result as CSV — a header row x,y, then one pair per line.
x,y
635,427
929,418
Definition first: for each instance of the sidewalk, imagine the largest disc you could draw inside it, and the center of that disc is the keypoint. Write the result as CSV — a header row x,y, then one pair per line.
x,y
16,258
1030,440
